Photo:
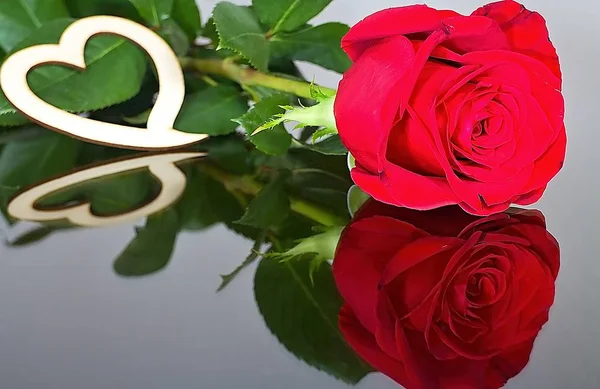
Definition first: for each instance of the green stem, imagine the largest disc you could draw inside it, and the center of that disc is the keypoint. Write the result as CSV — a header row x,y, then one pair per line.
x,y
248,76
248,185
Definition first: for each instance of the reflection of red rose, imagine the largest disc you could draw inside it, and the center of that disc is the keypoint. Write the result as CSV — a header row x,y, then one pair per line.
x,y
466,108
443,299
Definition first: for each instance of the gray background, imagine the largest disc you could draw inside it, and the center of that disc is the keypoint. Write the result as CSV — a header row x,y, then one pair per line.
x,y
68,322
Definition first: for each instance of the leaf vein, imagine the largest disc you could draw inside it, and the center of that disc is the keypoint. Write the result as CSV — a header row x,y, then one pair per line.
x,y
36,21
312,300
241,35
285,15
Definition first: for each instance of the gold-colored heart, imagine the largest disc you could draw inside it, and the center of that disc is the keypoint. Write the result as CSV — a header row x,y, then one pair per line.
x,y
162,166
159,134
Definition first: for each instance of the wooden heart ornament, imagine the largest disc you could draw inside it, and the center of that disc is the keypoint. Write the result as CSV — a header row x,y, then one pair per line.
x,y
159,133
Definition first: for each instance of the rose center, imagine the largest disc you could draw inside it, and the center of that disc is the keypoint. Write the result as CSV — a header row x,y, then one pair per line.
x,y
485,286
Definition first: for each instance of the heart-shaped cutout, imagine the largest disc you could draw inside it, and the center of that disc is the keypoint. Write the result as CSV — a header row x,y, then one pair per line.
x,y
159,133
162,167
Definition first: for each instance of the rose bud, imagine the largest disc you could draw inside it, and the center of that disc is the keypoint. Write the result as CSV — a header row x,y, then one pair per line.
x,y
440,108
444,299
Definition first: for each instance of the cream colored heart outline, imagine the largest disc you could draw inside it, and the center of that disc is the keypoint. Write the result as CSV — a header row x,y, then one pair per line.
x,y
162,166
159,133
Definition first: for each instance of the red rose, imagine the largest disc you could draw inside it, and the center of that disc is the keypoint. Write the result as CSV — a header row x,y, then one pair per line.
x,y
467,109
443,299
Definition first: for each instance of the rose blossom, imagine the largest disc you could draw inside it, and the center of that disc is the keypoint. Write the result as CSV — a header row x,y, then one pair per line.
x,y
440,108
443,299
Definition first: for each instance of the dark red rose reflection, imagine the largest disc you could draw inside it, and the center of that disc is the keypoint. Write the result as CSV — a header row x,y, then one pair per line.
x,y
444,299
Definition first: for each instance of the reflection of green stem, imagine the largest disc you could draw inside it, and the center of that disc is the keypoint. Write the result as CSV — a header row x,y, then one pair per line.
x,y
248,76
253,256
249,185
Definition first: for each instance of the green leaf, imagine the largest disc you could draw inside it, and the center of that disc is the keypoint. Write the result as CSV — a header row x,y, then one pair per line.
x,y
18,18
187,15
210,111
10,118
287,15
206,202
320,45
84,8
277,140
30,161
356,198
330,146
270,207
139,119
114,74
174,35
302,314
154,11
239,30
151,249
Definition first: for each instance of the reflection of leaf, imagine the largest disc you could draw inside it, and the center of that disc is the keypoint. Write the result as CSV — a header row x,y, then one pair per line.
x,y
322,187
35,236
323,245
270,207
303,315
239,30
206,202
229,152
114,73
32,236
287,15
29,161
330,146
108,195
253,256
151,249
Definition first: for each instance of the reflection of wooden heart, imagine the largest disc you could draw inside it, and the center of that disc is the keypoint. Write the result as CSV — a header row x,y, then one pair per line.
x,y
162,166
70,52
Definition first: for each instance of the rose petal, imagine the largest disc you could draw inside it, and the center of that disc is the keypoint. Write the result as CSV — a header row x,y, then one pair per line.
x,y
547,166
508,364
415,252
432,192
474,33
526,31
391,22
365,345
364,249
369,97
